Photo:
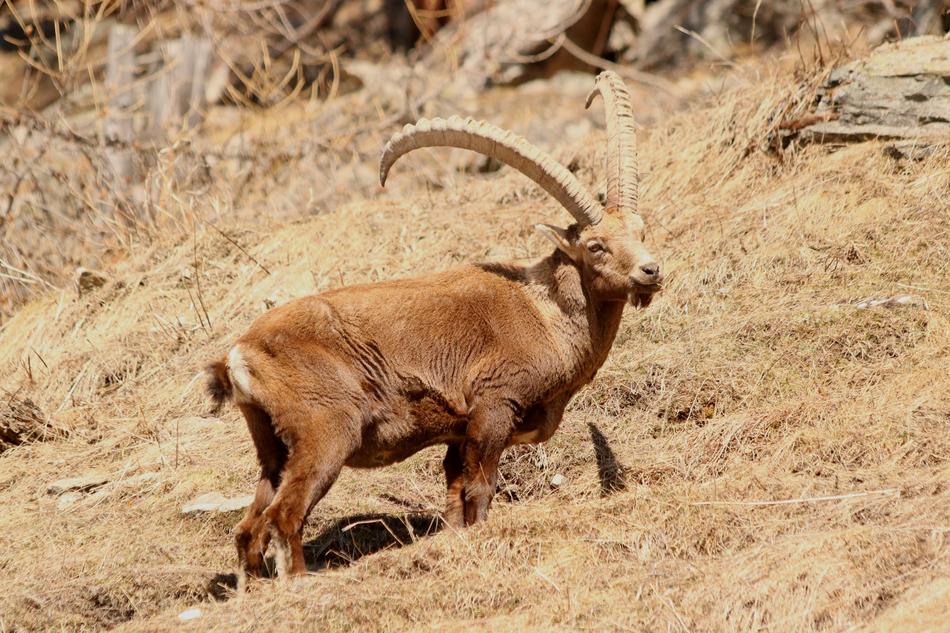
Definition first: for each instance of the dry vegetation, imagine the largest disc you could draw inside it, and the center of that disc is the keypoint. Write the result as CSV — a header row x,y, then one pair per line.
x,y
758,453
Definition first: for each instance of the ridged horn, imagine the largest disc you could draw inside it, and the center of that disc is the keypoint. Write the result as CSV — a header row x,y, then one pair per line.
x,y
502,145
622,175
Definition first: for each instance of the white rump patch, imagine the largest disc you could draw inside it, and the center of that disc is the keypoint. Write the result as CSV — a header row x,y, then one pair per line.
x,y
240,375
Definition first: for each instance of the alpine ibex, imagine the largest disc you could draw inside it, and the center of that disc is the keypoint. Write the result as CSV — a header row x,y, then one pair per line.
x,y
478,358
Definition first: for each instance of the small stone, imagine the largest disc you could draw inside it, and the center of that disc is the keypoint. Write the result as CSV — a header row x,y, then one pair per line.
x,y
208,502
558,480
88,280
216,502
80,484
142,478
189,614
67,499
235,503
892,302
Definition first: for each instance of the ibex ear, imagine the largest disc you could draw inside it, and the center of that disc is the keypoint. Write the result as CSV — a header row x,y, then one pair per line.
x,y
558,237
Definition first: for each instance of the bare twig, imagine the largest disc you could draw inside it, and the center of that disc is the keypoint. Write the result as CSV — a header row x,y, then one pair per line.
x,y
240,248
325,14
702,40
624,71
201,302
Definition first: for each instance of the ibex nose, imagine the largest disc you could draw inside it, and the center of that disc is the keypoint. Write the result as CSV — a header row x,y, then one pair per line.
x,y
651,270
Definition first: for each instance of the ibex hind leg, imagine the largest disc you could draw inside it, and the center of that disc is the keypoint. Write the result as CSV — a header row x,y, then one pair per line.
x,y
251,535
320,440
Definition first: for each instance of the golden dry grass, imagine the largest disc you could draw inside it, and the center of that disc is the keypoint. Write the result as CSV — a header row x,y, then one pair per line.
x,y
757,453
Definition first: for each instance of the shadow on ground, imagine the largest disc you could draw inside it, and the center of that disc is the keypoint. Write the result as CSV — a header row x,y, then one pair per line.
x,y
353,537
346,541
609,470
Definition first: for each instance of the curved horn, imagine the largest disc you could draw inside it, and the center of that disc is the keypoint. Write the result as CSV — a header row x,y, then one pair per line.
x,y
502,145
622,177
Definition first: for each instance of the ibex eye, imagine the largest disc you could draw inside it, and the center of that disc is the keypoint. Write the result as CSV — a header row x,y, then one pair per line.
x,y
595,247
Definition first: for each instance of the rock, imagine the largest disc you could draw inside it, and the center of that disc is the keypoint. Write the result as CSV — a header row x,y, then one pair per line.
x,y
892,302
78,484
142,478
901,91
671,32
67,499
190,614
558,480
88,280
90,494
507,41
236,503
208,502
216,502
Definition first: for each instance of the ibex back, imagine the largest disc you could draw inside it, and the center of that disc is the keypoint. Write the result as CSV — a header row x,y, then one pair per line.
x,y
478,358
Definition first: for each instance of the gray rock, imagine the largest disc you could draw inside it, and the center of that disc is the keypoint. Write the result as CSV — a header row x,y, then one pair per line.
x,y
67,499
208,502
216,502
902,91
142,478
892,302
79,484
236,503
190,614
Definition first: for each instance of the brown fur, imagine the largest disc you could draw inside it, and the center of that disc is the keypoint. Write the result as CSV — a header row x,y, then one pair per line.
x,y
478,358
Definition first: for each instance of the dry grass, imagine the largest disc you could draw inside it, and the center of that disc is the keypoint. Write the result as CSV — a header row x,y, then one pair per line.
x,y
757,453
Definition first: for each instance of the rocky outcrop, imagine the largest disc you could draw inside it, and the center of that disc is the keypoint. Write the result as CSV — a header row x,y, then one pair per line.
x,y
902,91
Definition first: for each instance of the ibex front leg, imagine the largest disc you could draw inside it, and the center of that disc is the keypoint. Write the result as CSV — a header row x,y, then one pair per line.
x,y
454,487
485,440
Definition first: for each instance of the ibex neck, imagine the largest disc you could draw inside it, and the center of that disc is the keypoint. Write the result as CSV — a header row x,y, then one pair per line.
x,y
584,325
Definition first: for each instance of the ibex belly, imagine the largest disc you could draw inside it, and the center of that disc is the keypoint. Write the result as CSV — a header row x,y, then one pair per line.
x,y
538,424
417,420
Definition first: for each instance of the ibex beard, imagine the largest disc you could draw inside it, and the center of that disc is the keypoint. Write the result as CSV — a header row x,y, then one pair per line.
x,y
478,358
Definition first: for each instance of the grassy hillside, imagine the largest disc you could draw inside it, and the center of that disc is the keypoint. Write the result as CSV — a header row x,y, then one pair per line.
x,y
758,453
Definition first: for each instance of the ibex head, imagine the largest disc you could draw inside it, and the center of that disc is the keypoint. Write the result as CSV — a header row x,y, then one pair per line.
x,y
606,241
611,251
